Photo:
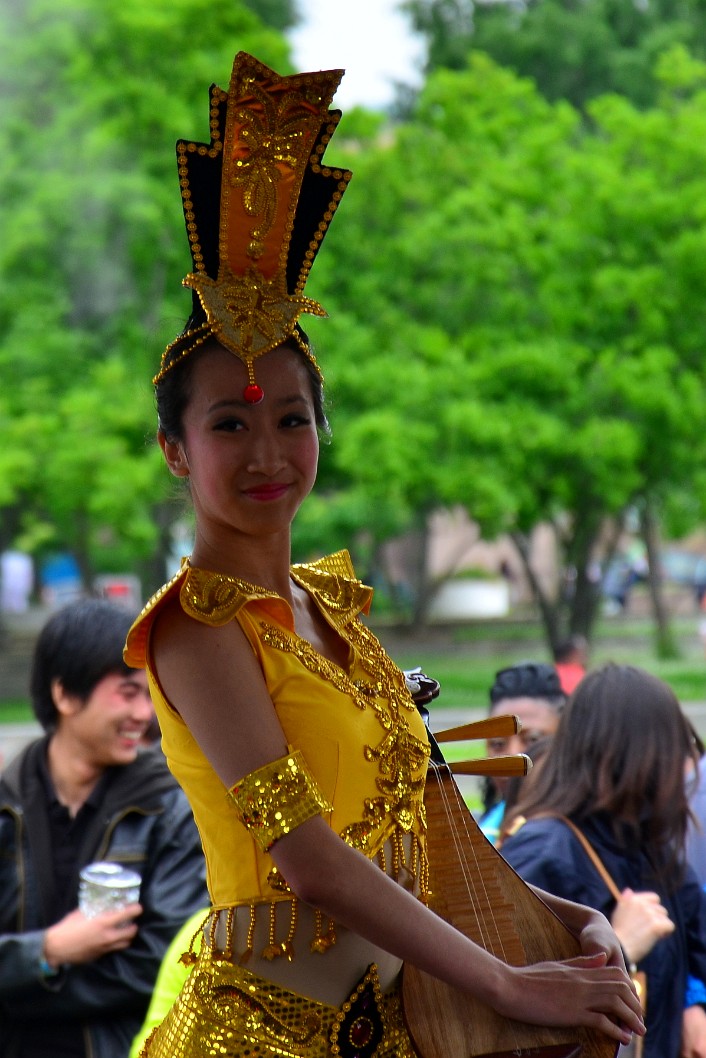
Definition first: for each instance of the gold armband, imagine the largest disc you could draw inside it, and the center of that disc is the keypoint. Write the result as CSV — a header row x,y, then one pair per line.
x,y
276,798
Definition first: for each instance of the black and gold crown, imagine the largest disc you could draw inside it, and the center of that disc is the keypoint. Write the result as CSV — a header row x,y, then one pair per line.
x,y
257,203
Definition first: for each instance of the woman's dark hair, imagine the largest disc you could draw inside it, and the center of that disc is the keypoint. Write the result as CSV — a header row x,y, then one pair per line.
x,y
79,645
620,751
173,390
518,784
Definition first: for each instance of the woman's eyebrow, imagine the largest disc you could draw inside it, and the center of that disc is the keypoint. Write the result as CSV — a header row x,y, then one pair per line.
x,y
236,402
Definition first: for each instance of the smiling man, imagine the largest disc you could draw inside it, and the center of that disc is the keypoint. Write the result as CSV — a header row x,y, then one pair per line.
x,y
71,986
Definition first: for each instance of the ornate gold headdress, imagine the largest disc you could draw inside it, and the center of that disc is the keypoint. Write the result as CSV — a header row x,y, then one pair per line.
x,y
257,203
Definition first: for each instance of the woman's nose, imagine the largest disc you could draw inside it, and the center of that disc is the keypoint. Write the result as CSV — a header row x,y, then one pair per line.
x,y
265,455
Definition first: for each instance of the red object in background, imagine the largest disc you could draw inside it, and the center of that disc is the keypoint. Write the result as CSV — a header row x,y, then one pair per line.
x,y
570,674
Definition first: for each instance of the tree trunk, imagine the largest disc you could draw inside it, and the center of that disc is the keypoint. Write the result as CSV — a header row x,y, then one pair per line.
x,y
584,603
549,610
665,644
422,587
583,607
82,551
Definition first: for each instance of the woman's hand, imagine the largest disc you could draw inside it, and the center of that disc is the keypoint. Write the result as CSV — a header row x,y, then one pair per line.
x,y
693,1039
583,991
594,931
640,920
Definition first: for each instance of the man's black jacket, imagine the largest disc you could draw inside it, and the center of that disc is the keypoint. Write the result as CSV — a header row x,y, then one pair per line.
x,y
144,821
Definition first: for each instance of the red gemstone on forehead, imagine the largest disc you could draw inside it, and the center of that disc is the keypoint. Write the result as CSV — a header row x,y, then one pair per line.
x,y
253,393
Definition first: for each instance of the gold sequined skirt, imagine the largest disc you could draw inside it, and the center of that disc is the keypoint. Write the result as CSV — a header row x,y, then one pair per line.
x,y
224,1010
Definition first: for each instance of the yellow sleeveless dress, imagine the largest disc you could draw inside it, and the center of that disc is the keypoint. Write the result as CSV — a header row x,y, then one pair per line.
x,y
365,746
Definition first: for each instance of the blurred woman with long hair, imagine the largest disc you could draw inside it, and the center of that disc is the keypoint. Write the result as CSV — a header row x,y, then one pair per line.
x,y
615,773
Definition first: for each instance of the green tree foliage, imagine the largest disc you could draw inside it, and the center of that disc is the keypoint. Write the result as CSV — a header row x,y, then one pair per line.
x,y
447,27
517,297
94,94
518,312
573,51
280,14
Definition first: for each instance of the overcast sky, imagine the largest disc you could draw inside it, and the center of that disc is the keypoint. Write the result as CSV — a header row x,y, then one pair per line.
x,y
370,39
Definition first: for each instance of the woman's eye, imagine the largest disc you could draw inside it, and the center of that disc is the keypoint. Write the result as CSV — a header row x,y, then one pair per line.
x,y
295,420
228,425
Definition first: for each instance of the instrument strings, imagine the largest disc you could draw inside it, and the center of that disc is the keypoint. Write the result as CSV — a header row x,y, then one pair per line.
x,y
457,814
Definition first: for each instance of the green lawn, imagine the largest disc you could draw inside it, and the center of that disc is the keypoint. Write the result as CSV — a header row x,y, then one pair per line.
x,y
465,659
15,712
466,669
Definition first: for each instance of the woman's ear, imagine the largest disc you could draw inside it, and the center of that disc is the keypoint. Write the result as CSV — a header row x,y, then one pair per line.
x,y
174,455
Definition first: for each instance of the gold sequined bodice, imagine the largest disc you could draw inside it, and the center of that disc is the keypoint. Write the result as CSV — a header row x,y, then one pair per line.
x,y
357,729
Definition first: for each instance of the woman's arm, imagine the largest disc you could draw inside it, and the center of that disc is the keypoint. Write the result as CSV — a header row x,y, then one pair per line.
x,y
326,873
213,678
592,928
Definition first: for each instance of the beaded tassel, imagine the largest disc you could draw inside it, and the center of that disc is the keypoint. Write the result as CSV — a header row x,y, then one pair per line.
x,y
397,854
250,938
287,945
230,919
272,950
322,941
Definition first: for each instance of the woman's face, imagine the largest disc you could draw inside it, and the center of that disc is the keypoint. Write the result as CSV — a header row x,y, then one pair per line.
x,y
250,466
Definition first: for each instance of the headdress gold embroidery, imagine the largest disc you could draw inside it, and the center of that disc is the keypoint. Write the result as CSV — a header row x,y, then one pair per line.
x,y
257,204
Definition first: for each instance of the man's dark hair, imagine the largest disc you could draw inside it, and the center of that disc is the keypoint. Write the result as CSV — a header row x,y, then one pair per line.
x,y
528,679
79,645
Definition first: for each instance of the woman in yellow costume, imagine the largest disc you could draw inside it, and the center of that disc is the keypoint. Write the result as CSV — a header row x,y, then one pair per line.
x,y
291,731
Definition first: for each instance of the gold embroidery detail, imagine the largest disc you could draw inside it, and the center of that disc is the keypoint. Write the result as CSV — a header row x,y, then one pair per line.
x,y
400,756
249,311
277,882
268,140
215,598
339,596
371,1019
275,799
231,1001
225,1010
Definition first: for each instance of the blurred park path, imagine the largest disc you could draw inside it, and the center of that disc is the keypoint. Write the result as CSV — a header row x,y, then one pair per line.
x,y
14,736
19,633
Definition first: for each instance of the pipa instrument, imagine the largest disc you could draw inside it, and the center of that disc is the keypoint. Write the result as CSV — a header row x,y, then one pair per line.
x,y
474,889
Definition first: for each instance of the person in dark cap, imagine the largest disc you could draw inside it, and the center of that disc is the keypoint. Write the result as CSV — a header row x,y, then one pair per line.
x,y
532,691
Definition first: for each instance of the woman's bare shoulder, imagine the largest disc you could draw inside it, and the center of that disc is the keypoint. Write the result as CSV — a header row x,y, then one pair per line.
x,y
213,679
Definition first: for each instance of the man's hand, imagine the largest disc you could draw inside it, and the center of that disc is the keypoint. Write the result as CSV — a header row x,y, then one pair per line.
x,y
77,939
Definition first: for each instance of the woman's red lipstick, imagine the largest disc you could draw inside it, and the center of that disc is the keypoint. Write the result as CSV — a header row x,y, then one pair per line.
x,y
267,491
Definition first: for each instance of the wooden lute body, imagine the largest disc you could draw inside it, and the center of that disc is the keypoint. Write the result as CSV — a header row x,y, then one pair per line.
x,y
475,890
